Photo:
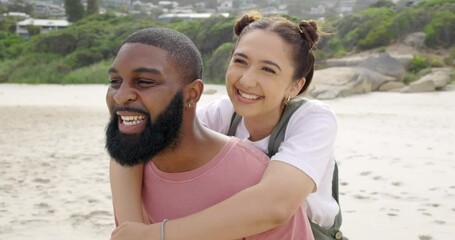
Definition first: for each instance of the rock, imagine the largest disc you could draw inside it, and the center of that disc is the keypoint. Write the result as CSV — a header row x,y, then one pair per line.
x,y
416,40
345,81
343,62
422,86
385,64
392,86
439,76
449,87
437,79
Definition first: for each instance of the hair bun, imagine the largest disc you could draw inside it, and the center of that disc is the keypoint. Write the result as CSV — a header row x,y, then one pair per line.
x,y
245,20
309,30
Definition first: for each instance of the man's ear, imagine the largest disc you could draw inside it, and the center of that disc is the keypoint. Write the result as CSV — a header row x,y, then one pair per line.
x,y
193,92
297,86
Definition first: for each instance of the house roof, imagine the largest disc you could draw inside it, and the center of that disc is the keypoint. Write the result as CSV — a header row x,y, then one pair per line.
x,y
44,22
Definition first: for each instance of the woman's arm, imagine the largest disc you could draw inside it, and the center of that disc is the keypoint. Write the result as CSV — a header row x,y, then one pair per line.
x,y
270,203
126,187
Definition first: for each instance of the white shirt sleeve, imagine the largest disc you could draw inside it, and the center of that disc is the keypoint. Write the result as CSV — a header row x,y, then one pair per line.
x,y
309,140
216,115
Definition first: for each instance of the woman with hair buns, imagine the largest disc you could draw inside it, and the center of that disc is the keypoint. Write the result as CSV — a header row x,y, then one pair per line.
x,y
272,62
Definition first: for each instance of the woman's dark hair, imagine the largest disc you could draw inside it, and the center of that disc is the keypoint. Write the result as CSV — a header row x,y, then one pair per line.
x,y
302,38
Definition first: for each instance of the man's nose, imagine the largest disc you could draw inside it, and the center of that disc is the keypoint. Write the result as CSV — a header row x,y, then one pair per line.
x,y
124,95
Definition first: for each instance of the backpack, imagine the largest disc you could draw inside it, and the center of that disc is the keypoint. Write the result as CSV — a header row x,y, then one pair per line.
x,y
277,136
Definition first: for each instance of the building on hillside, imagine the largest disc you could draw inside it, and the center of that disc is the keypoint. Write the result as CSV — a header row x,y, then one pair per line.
x,y
225,5
346,6
188,16
168,4
45,25
280,10
116,3
318,11
15,15
46,9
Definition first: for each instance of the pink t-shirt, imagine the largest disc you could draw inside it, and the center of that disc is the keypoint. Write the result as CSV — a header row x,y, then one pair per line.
x,y
236,167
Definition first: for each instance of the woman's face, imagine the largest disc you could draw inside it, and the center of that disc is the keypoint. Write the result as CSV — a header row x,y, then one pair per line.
x,y
259,76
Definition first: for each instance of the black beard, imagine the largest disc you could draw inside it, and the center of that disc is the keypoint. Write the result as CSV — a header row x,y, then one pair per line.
x,y
133,149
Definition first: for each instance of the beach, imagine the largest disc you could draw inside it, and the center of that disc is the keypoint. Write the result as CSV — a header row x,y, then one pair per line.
x,y
395,152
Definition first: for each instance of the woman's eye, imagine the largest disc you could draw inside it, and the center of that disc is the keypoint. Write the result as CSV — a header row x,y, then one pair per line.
x,y
269,70
239,61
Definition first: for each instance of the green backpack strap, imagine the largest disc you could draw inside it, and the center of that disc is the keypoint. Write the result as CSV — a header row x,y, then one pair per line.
x,y
235,120
277,135
276,138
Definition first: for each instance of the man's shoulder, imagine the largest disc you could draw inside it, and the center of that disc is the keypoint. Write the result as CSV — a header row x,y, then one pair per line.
x,y
248,151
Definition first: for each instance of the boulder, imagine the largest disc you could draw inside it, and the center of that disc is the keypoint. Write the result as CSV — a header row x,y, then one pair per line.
x,y
385,64
422,86
437,79
345,81
440,77
391,86
343,62
416,40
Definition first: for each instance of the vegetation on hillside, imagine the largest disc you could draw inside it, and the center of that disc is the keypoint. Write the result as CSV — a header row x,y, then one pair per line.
x,y
82,52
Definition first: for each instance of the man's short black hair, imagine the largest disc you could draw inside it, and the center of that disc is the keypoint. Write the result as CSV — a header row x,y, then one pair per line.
x,y
181,50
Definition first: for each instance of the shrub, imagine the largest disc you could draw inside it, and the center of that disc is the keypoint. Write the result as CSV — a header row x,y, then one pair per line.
x,y
417,63
216,67
96,73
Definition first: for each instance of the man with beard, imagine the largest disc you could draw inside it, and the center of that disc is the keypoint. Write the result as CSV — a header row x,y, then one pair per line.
x,y
155,83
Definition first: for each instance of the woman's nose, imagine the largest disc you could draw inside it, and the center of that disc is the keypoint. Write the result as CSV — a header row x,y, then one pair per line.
x,y
248,78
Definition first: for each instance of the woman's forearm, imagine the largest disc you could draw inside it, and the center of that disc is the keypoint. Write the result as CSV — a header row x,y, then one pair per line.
x,y
126,187
259,208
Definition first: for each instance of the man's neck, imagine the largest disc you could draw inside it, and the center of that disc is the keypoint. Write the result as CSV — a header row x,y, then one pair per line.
x,y
196,148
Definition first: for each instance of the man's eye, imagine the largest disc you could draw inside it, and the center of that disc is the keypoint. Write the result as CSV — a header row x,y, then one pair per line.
x,y
115,81
146,82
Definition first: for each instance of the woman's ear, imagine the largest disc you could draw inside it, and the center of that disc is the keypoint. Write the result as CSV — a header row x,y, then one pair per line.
x,y
193,92
297,86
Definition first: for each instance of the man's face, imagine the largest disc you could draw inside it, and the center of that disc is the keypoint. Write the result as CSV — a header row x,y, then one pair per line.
x,y
145,100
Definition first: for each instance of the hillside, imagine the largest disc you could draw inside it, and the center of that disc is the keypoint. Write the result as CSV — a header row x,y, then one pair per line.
x,y
82,52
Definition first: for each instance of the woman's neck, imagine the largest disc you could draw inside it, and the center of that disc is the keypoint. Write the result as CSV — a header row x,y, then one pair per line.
x,y
262,126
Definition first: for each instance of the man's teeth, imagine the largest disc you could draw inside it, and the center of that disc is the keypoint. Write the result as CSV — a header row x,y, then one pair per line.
x,y
248,96
132,120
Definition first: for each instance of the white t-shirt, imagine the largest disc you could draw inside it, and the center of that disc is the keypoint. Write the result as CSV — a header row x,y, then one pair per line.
x,y
308,145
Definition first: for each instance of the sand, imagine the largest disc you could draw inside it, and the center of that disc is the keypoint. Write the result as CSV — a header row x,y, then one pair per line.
x,y
395,151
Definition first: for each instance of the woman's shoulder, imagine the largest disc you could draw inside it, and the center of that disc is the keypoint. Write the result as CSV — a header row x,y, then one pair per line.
x,y
314,107
221,104
216,114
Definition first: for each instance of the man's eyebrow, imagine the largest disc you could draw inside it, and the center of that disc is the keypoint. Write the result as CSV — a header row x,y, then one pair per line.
x,y
147,70
138,70
264,61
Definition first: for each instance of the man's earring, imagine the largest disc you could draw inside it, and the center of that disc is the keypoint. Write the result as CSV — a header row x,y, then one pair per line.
x,y
189,105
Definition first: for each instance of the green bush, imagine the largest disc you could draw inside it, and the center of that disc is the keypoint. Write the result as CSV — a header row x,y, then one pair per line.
x,y
83,58
450,59
36,68
96,73
215,69
440,30
417,63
